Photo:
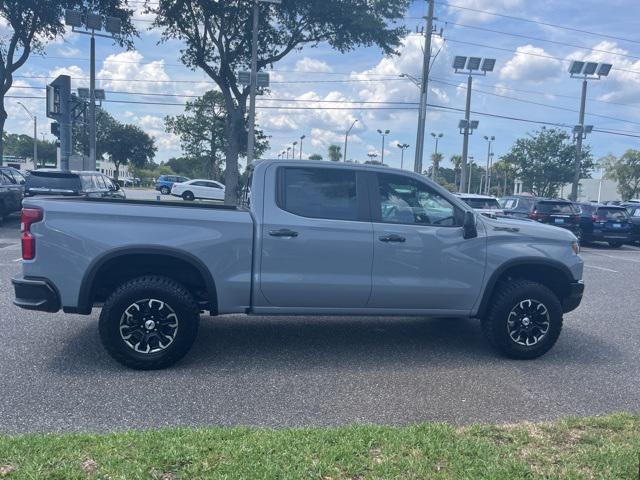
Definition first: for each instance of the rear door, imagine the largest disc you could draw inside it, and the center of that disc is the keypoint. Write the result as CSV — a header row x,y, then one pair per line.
x,y
317,245
421,260
213,191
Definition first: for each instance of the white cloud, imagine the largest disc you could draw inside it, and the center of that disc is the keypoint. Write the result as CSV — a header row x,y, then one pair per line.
x,y
154,126
532,65
475,8
67,51
310,65
130,66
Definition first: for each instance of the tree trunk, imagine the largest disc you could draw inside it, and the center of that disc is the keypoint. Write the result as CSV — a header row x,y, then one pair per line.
x,y
233,129
3,118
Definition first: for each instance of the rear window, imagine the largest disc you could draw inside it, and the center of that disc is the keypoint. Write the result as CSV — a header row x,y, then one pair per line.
x,y
634,212
517,204
482,203
556,208
318,192
616,214
43,182
586,209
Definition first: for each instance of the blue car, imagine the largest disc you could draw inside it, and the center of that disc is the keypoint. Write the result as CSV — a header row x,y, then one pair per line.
x,y
605,223
165,182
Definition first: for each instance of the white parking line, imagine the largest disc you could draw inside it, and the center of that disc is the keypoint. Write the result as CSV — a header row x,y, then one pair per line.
x,y
601,268
627,259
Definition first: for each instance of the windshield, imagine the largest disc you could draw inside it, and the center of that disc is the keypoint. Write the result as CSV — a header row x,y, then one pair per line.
x,y
482,203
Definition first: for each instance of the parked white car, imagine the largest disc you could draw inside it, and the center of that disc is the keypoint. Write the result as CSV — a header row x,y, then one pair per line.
x,y
484,204
198,188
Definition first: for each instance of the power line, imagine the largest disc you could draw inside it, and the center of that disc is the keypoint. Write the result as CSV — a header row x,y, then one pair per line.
x,y
538,22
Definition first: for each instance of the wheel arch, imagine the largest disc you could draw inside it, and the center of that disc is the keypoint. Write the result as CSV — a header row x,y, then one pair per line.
x,y
173,263
551,273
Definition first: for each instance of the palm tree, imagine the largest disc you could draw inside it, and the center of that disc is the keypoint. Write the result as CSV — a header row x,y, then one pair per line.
x,y
436,158
335,153
456,160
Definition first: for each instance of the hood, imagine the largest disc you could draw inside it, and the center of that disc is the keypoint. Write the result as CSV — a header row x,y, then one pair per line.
x,y
525,227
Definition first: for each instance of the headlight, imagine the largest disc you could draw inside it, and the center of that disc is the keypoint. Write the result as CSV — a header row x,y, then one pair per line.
x,y
575,246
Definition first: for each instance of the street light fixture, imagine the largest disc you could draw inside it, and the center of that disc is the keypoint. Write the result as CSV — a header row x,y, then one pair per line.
x,y
584,71
402,147
383,134
35,134
469,66
293,154
372,155
93,22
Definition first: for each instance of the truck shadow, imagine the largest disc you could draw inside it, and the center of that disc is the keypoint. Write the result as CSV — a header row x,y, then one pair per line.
x,y
239,343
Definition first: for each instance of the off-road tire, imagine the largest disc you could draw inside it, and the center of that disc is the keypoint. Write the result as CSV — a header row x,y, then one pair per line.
x,y
508,296
188,196
149,287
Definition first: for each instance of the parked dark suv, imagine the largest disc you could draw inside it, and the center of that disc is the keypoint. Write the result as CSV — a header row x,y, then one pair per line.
x,y
11,191
59,182
553,211
605,223
633,209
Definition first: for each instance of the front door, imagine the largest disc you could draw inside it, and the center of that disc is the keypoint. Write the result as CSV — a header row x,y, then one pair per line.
x,y
421,260
317,245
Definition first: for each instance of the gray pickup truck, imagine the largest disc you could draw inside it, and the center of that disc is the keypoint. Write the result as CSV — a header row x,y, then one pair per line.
x,y
319,238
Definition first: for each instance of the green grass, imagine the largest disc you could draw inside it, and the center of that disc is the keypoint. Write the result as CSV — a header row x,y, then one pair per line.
x,y
589,448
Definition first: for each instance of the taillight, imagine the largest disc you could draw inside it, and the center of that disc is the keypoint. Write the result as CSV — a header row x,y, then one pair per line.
x,y
29,217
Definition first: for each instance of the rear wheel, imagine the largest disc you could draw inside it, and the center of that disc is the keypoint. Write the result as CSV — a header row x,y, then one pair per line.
x,y
165,191
188,196
524,320
149,322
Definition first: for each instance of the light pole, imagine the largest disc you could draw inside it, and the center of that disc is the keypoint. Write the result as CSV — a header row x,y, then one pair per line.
x,y
288,150
585,71
402,147
293,154
437,136
302,137
35,134
469,66
93,22
383,134
470,172
372,156
346,137
487,180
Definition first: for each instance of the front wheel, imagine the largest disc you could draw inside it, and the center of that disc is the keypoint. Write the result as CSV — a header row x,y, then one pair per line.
x,y
149,322
524,320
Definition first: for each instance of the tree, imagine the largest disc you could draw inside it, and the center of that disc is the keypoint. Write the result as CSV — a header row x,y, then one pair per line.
x,y
217,37
456,160
128,144
503,177
30,24
104,125
22,146
544,160
315,156
436,159
626,171
335,153
202,134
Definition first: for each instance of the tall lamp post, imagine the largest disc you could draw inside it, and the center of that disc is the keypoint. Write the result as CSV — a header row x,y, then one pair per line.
x,y
470,172
302,137
346,138
383,134
35,133
372,156
437,136
402,147
585,71
293,153
92,22
288,150
469,66
487,179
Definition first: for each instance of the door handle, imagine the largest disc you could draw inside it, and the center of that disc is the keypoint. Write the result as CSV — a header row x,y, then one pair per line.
x,y
392,238
283,232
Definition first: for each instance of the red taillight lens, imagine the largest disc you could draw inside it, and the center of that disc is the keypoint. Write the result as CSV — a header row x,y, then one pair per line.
x,y
29,217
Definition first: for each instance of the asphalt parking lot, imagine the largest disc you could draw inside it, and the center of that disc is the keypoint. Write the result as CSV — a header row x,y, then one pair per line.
x,y
316,371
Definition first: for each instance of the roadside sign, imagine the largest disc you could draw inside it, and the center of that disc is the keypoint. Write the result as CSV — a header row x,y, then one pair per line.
x,y
262,80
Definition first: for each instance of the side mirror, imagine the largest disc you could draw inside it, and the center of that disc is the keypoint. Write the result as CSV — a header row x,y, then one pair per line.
x,y
469,225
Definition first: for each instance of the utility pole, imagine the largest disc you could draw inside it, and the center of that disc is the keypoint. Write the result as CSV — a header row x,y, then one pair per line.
x,y
424,87
579,135
465,138
35,133
92,106
253,84
346,138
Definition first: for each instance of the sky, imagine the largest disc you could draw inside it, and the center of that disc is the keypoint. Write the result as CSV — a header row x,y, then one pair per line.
x,y
530,82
